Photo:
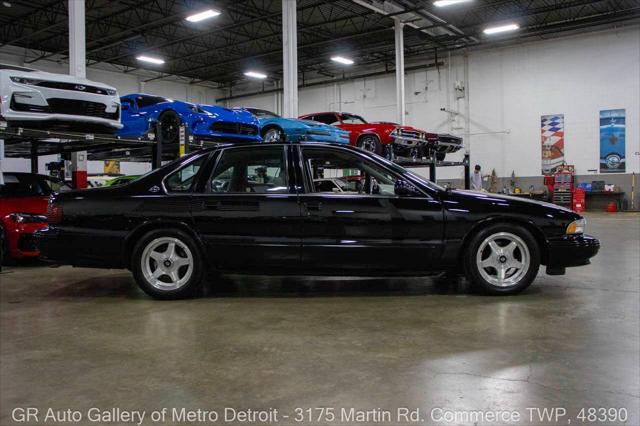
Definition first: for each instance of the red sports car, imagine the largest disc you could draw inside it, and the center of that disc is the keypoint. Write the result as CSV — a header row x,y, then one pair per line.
x,y
23,207
389,139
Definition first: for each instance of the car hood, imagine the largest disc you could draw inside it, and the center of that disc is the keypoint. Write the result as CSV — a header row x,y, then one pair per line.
x,y
497,202
228,114
49,76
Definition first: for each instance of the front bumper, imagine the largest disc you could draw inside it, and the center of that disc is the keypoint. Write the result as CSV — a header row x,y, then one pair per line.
x,y
571,250
26,105
20,239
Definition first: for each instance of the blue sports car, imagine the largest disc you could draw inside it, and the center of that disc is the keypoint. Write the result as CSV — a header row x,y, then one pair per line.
x,y
274,128
204,121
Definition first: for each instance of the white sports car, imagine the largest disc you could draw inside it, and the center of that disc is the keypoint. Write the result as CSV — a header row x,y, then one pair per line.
x,y
37,99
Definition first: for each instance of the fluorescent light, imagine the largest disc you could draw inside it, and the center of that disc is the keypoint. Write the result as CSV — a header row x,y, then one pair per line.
x,y
254,74
501,29
209,13
150,59
340,59
443,3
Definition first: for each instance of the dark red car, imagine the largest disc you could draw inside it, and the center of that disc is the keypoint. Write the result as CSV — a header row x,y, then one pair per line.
x,y
23,207
389,139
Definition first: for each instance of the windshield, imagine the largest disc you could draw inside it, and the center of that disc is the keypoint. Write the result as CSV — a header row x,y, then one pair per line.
x,y
262,113
352,119
399,169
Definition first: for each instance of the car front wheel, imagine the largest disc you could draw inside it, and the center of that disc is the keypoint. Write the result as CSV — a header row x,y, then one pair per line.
x,y
273,135
167,264
502,259
370,143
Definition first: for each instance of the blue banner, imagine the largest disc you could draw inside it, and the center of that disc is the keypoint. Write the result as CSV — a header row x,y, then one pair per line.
x,y
612,135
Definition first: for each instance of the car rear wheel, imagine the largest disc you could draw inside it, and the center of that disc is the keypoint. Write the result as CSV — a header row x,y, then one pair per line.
x,y
273,135
502,259
170,127
370,143
167,264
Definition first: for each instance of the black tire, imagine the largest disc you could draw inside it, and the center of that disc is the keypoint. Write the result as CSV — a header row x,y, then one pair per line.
x,y
170,127
190,287
370,143
521,278
275,134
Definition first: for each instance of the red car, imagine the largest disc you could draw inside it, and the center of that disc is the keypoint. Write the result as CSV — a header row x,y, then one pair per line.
x,y
389,139
23,207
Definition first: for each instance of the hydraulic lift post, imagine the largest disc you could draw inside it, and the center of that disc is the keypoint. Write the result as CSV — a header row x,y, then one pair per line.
x,y
156,149
34,156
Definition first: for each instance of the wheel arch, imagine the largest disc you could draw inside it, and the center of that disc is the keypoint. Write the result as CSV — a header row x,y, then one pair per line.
x,y
270,126
134,236
537,233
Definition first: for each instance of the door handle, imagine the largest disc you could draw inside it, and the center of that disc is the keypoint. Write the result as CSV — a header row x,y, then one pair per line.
x,y
211,205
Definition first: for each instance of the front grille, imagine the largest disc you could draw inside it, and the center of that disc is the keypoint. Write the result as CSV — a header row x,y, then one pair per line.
x,y
68,106
234,128
73,86
26,242
408,133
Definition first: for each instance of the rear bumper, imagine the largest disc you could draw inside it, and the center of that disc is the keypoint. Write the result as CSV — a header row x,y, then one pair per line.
x,y
95,250
572,250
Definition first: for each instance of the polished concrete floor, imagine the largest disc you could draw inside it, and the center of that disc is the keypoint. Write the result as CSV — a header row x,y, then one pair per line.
x,y
82,338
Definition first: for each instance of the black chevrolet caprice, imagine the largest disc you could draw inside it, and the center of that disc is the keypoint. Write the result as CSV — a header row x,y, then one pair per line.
x,y
267,208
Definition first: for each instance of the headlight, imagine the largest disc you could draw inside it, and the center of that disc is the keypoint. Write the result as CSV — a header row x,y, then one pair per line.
x,y
112,92
576,227
28,218
24,80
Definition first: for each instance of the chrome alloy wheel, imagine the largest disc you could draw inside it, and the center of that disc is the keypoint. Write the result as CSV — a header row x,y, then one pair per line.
x,y
167,263
503,259
368,143
272,136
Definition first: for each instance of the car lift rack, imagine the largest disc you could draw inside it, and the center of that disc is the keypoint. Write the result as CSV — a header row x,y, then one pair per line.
x,y
22,142
30,143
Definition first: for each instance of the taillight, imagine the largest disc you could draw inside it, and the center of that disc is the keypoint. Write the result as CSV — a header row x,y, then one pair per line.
x,y
54,214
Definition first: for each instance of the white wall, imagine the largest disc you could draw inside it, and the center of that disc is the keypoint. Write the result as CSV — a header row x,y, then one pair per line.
x,y
509,89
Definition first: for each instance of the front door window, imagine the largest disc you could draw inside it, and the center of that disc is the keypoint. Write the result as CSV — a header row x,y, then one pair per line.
x,y
344,173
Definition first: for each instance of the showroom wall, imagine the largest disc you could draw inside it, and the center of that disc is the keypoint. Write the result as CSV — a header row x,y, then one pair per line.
x,y
509,89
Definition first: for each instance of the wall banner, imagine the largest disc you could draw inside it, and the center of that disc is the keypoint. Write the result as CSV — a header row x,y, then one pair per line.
x,y
612,136
111,167
552,128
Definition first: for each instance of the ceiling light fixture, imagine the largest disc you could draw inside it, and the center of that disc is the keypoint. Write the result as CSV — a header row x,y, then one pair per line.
x,y
443,3
254,74
201,16
501,29
150,59
342,60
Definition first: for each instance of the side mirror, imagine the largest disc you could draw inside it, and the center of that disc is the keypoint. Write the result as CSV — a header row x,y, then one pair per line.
x,y
402,188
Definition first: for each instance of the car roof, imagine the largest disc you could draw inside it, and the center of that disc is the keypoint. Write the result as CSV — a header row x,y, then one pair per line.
x,y
26,174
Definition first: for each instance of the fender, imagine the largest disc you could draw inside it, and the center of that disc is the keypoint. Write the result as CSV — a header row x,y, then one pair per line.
x,y
136,233
529,225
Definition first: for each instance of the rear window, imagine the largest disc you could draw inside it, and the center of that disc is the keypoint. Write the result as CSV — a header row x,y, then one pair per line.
x,y
24,186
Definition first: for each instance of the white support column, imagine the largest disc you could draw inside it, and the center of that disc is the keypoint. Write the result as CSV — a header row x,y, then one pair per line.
x,y
400,102
290,58
77,42
77,68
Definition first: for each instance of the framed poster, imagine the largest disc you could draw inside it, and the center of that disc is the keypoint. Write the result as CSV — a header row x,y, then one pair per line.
x,y
111,167
552,131
612,144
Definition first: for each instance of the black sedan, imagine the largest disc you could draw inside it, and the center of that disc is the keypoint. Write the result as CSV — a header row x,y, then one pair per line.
x,y
265,208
